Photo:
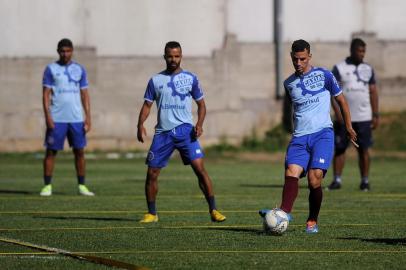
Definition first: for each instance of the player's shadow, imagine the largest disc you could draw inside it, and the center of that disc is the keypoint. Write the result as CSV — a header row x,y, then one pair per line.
x,y
243,230
260,186
23,192
387,241
85,218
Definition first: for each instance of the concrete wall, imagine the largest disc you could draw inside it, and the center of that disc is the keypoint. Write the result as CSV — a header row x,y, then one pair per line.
x,y
113,27
140,27
238,82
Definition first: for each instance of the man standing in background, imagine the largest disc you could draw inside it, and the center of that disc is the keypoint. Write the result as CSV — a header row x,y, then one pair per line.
x,y
66,107
357,81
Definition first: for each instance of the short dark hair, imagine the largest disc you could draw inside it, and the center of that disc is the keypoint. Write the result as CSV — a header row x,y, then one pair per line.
x,y
300,45
357,42
172,45
65,43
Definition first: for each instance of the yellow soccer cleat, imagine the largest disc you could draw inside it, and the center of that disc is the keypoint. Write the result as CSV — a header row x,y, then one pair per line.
x,y
149,218
216,216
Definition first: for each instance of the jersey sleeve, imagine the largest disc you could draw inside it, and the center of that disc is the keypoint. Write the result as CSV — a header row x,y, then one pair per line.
x,y
150,91
197,92
48,79
83,83
331,84
336,73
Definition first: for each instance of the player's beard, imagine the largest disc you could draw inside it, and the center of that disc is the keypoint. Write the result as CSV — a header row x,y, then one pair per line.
x,y
171,67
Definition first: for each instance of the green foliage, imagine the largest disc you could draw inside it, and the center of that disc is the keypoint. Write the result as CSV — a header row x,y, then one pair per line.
x,y
389,136
391,133
275,139
221,147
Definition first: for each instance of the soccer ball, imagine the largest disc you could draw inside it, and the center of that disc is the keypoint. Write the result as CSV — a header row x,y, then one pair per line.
x,y
276,221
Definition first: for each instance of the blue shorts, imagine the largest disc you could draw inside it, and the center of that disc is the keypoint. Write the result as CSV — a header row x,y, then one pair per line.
x,y
55,138
312,151
364,135
181,138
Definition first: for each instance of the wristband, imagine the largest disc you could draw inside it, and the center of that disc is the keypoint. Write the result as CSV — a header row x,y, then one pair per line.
x,y
376,115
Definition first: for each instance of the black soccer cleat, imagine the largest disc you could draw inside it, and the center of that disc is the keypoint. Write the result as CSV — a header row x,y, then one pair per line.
x,y
334,185
364,187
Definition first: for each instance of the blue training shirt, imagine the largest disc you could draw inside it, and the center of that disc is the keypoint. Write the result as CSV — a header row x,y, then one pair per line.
x,y
66,82
173,95
310,94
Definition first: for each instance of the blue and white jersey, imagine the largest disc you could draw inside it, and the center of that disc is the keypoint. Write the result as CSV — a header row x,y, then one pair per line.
x,y
173,95
355,80
66,82
310,94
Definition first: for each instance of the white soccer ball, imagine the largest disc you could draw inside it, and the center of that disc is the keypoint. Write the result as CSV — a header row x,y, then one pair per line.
x,y
276,221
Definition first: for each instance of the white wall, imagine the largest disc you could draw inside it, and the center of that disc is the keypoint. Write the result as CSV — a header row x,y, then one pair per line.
x,y
387,18
321,20
114,27
141,27
250,20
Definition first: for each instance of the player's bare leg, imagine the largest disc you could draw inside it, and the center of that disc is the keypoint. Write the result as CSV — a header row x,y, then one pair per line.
x,y
338,167
80,166
205,183
338,164
151,184
48,164
80,163
363,163
206,187
151,190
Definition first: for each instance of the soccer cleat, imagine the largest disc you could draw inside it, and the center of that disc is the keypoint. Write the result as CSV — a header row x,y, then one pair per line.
x,y
216,216
311,227
290,218
149,218
263,212
334,185
83,190
46,191
364,187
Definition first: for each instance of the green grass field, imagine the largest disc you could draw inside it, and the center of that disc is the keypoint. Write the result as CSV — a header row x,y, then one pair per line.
x,y
358,230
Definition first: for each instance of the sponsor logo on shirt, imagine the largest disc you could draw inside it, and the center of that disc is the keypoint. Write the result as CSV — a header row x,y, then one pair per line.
x,y
181,85
66,91
172,107
308,102
74,73
363,73
312,84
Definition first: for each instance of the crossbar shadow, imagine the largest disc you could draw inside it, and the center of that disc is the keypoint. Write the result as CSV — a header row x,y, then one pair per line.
x,y
85,218
387,241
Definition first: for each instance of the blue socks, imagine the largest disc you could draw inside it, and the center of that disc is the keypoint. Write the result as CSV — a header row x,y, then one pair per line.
x,y
212,203
47,180
81,180
151,208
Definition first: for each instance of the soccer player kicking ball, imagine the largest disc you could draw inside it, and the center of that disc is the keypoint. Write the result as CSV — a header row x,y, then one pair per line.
x,y
311,148
173,90
66,106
